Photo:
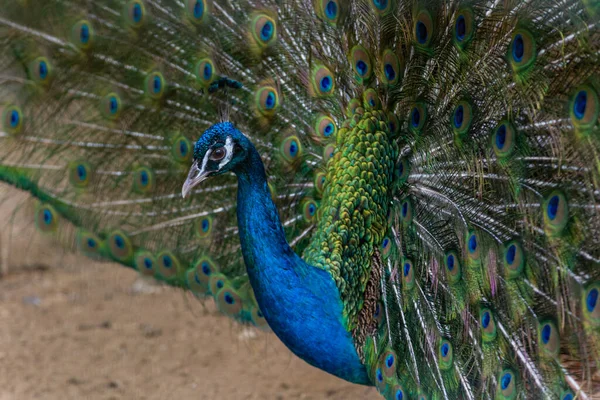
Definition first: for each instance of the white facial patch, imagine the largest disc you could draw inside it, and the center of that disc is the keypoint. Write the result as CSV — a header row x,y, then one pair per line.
x,y
228,152
204,162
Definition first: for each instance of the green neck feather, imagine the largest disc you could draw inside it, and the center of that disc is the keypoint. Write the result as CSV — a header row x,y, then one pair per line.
x,y
353,213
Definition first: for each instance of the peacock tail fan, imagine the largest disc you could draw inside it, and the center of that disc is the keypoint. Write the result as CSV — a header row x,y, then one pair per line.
x,y
441,160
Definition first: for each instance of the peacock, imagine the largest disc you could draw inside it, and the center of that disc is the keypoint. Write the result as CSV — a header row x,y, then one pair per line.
x,y
435,163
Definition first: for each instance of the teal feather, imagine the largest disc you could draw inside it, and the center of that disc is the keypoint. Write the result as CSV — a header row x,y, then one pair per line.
x,y
435,163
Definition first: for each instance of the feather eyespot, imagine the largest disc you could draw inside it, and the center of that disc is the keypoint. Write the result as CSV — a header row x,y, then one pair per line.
x,y
463,27
197,11
473,245
120,246
382,7
167,263
79,174
389,362
453,267
408,274
193,282
206,267
591,308
328,152
567,395
40,70
379,380
507,387
406,212
88,243
393,123
522,50
135,13
556,213
145,263
423,29
143,180
548,339
267,100
386,246
203,227
445,355
12,119
403,170
504,139
371,100
229,301
462,118
309,210
322,81
110,106
46,218
216,282
353,105
514,259
181,149
390,68
328,10
417,118
291,150
584,108
320,179
155,85
488,325
264,30
379,313
198,277
398,392
361,63
325,126
205,71
82,34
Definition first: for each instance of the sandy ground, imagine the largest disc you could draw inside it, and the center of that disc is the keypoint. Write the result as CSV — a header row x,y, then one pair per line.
x,y
71,328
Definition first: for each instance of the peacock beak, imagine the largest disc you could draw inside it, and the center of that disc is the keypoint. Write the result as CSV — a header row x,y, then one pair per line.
x,y
195,176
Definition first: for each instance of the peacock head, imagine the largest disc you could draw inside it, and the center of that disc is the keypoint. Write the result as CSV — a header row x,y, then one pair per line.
x,y
219,150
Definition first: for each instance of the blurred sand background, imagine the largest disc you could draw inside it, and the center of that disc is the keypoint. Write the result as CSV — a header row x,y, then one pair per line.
x,y
71,328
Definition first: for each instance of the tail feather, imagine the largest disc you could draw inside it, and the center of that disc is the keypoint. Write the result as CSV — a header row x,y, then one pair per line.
x,y
102,103
489,269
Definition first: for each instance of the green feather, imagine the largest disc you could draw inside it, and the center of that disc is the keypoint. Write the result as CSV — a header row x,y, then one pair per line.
x,y
439,160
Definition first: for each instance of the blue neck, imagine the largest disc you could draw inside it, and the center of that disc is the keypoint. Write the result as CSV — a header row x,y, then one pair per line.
x,y
301,303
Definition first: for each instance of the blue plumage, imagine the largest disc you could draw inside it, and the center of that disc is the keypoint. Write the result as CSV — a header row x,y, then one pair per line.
x,y
436,164
304,310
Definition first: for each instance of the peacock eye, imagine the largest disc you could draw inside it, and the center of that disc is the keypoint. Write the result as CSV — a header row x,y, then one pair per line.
x,y
217,154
